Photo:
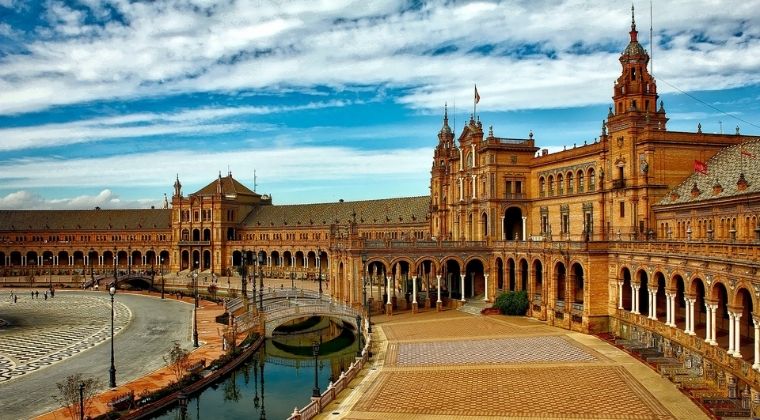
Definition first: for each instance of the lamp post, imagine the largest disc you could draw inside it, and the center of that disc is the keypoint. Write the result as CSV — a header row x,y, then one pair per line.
x,y
315,350
81,401
243,272
195,311
162,277
182,399
89,258
319,266
50,276
129,260
112,371
115,278
359,335
261,282
365,280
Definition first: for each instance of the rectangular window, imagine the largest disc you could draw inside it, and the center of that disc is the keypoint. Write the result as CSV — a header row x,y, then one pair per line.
x,y
622,209
518,187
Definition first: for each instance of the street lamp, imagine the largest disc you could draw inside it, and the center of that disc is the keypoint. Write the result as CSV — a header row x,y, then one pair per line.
x,y
261,282
112,371
92,273
114,265
315,350
81,401
195,311
162,277
359,335
365,280
319,266
243,272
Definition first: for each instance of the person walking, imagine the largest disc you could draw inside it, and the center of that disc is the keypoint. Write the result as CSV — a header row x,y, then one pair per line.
x,y
32,294
45,294
37,294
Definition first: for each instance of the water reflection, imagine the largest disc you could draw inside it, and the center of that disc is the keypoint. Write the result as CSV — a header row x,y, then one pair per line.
x,y
289,375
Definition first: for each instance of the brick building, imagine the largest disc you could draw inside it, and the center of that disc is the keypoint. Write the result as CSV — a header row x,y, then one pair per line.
x,y
617,235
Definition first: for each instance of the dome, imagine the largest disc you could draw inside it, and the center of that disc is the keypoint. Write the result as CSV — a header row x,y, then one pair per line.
x,y
634,48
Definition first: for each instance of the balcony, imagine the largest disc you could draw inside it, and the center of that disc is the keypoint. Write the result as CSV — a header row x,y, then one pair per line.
x,y
194,243
516,196
618,184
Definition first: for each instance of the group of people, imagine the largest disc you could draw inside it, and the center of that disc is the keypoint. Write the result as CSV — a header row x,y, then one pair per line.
x,y
34,293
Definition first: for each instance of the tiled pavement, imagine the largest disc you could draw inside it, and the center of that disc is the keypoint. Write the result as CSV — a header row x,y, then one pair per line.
x,y
453,365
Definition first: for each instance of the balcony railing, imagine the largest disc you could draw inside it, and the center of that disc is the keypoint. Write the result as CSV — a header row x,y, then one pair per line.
x,y
618,184
194,243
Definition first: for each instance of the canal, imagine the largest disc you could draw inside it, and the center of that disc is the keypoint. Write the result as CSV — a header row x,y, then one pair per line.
x,y
279,376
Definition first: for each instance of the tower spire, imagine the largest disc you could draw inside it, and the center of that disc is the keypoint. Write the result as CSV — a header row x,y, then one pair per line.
x,y
634,33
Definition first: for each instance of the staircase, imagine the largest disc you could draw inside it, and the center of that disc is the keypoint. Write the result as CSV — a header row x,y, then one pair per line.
x,y
474,305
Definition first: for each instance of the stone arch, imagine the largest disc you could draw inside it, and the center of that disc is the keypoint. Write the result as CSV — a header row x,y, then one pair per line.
x,y
426,270
499,273
524,274
660,305
739,301
206,261
484,225
538,277
560,277
743,303
627,298
512,226
719,294
678,286
474,283
511,275
452,268
643,279
578,282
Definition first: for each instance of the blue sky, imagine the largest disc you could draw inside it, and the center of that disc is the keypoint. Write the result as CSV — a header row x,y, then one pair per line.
x,y
104,102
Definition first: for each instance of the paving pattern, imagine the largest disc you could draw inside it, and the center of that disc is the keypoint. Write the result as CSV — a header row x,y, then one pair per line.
x,y
590,392
541,349
39,332
459,327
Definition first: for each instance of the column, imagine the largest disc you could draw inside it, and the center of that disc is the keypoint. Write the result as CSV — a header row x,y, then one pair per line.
x,y
502,228
438,277
673,310
474,186
634,299
737,335
486,297
388,286
524,229
667,309
713,326
414,289
756,365
731,333
461,189
689,313
461,276
708,324
620,294
653,305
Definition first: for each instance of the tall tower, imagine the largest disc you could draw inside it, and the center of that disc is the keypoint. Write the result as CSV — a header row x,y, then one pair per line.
x,y
439,179
635,93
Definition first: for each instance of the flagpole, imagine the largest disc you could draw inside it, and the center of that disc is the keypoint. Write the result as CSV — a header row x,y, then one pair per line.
x,y
475,102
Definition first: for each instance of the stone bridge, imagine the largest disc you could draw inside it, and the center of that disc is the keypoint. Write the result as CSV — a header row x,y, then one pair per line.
x,y
287,305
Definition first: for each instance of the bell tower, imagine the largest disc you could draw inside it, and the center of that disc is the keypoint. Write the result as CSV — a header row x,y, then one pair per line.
x,y
635,93
439,179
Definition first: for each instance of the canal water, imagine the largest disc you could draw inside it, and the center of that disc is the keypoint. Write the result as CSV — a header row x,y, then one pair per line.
x,y
279,376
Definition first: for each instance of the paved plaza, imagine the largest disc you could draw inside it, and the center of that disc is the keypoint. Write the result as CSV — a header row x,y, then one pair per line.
x,y
455,365
44,341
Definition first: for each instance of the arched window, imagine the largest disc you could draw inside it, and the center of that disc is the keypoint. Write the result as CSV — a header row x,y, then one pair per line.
x,y
542,186
560,184
551,185
569,182
580,181
591,179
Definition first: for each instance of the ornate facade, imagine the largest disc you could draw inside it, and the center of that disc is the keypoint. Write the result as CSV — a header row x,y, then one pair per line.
x,y
616,235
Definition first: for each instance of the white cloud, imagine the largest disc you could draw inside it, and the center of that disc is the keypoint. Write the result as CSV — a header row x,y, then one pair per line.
x,y
173,46
25,200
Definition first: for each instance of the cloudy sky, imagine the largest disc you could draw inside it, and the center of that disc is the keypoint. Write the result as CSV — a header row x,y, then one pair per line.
x,y
105,102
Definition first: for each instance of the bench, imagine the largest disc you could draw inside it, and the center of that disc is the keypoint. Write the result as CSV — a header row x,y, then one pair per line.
x,y
197,366
122,402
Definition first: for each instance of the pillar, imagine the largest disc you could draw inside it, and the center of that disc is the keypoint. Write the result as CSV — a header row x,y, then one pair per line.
x,y
634,299
731,324
688,314
461,276
486,297
653,304
524,229
667,309
502,228
756,336
673,310
737,335
414,294
439,302
708,324
388,305
620,295
713,326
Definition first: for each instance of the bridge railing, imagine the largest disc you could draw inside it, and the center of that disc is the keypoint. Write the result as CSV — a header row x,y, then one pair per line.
x,y
246,321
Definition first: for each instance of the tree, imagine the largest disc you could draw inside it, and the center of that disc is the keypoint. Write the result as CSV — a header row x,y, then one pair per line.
x,y
68,394
178,361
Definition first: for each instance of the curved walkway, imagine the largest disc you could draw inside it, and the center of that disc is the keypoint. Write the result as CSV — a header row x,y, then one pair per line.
x,y
73,338
454,365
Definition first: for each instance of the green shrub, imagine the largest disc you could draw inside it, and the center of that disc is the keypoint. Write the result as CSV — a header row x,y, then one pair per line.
x,y
512,303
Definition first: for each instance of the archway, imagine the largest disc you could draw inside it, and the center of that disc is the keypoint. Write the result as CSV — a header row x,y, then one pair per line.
x,y
511,274
680,309
659,299
697,290
559,281
206,260
513,224
743,302
474,282
627,302
538,279
451,274
720,295
499,274
643,292
524,275
578,283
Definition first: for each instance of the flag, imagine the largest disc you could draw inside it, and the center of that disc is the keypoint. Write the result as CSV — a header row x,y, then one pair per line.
x,y
747,153
700,167
477,97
